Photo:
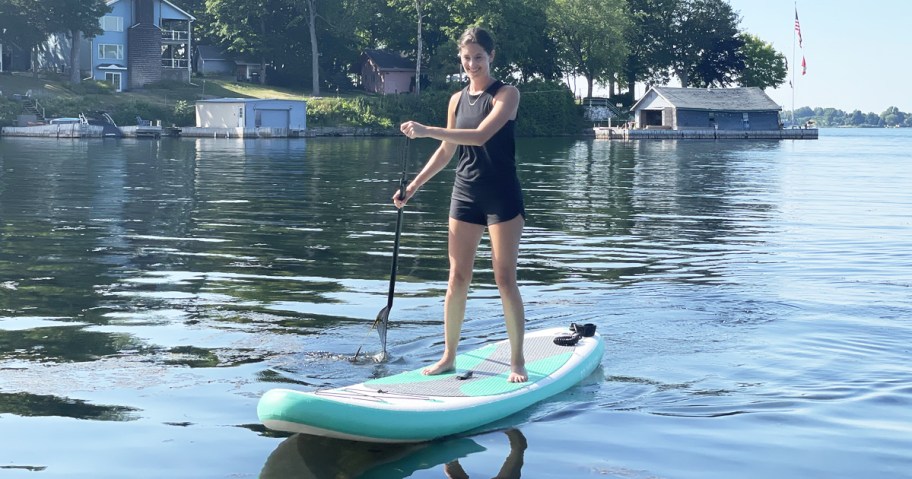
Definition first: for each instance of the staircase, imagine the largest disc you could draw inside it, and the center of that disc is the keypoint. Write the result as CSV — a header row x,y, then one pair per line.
x,y
32,107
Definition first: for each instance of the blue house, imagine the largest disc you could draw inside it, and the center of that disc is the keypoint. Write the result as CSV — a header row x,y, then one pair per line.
x,y
144,41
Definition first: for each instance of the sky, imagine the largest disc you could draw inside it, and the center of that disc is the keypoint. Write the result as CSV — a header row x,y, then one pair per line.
x,y
858,53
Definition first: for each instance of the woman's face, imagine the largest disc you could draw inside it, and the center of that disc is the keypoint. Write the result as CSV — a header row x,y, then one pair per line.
x,y
475,60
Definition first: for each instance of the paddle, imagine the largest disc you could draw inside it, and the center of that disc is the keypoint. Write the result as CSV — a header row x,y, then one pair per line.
x,y
382,320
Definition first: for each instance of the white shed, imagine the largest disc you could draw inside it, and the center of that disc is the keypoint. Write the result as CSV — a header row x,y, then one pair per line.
x,y
251,113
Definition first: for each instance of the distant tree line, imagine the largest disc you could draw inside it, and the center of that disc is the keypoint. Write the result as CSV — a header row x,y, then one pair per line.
x,y
892,117
317,43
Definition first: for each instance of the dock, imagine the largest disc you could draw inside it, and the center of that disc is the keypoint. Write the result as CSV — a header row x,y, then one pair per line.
x,y
617,133
68,130
212,132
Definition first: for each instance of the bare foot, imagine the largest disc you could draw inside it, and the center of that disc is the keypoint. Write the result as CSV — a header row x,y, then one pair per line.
x,y
442,366
518,374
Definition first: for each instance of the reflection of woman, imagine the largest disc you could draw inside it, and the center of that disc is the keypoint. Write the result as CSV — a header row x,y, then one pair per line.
x,y
486,193
512,466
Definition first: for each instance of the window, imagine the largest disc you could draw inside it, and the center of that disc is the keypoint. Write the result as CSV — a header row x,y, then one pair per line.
x,y
112,24
107,51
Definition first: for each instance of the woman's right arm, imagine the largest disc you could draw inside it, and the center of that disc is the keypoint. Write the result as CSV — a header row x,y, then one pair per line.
x,y
438,160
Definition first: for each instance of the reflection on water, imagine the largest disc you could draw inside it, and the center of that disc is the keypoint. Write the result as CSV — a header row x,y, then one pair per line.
x,y
306,456
753,297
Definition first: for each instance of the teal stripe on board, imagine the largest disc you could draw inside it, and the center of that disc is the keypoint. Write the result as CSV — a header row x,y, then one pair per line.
x,y
496,385
464,362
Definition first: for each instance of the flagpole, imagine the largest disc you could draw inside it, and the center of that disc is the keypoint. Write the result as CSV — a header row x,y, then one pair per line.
x,y
794,33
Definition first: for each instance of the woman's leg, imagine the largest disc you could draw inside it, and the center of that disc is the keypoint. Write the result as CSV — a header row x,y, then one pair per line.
x,y
505,238
463,242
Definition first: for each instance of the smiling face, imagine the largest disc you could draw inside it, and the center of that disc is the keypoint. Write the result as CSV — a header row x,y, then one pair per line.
x,y
476,61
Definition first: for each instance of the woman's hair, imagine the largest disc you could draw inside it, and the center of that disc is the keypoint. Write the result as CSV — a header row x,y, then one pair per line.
x,y
479,36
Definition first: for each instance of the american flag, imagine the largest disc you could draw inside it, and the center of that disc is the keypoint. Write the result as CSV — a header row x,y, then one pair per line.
x,y
798,28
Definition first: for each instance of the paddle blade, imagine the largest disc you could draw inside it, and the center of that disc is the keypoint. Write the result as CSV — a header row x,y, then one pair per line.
x,y
381,323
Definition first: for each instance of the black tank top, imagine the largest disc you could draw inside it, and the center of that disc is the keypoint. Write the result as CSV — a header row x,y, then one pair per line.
x,y
492,165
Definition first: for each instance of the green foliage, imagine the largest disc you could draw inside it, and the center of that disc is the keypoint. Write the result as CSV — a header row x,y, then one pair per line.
x,y
545,109
381,111
764,67
69,106
548,109
91,87
695,40
180,112
590,37
9,110
184,113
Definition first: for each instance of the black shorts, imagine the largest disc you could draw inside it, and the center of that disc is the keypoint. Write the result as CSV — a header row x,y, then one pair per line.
x,y
487,209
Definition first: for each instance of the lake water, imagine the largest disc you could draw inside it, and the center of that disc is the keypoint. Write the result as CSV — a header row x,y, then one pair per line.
x,y
755,298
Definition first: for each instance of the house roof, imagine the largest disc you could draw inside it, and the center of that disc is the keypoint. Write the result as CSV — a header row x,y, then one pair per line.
x,y
179,9
388,61
209,52
713,99
249,100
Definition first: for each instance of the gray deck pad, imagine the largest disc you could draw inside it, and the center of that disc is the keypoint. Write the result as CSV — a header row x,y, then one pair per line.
x,y
489,366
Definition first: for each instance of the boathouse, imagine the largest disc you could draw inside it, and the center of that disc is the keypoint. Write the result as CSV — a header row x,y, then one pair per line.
x,y
251,113
739,109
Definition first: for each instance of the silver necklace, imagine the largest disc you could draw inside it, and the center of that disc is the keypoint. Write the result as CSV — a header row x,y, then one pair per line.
x,y
472,103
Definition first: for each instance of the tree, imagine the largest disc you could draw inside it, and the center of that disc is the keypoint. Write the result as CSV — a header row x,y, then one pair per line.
x,y
708,47
764,67
590,35
695,40
648,59
255,28
892,116
76,19
856,118
436,23
310,7
419,12
524,47
873,119
22,22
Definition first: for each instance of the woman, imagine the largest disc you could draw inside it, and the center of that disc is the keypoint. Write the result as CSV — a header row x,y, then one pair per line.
x,y
486,194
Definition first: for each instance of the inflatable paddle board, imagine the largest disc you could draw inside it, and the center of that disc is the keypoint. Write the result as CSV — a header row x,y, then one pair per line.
x,y
412,407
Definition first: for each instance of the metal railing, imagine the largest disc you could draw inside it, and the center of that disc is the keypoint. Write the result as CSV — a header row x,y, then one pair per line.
x,y
175,35
175,63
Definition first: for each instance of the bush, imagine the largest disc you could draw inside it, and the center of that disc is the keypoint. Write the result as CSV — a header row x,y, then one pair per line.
x,y
184,113
548,109
67,106
9,110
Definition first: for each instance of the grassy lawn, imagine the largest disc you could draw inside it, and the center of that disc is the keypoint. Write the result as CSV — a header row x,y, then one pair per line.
x,y
199,88
154,101
15,83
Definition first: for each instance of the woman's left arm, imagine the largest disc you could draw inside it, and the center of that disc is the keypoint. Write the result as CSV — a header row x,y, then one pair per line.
x,y
506,103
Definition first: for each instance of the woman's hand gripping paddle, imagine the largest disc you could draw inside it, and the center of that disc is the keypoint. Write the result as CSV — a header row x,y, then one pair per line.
x,y
382,320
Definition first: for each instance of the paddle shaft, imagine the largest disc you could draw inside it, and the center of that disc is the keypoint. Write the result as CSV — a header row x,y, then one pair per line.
x,y
392,288
403,183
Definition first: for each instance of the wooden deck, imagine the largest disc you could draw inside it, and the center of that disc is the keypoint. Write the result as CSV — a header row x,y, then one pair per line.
x,y
142,131
707,134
